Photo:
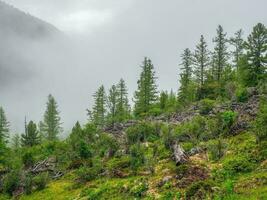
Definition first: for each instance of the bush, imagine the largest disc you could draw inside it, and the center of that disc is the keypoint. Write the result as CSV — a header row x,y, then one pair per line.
x,y
86,173
137,157
237,164
227,119
142,132
205,106
242,95
116,164
40,181
28,184
28,159
11,182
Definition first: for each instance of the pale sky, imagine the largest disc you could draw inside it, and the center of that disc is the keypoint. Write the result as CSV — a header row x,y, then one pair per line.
x,y
108,41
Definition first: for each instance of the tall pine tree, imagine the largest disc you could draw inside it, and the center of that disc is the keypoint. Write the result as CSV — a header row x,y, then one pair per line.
x,y
4,127
51,124
185,91
146,94
257,54
112,104
201,62
220,53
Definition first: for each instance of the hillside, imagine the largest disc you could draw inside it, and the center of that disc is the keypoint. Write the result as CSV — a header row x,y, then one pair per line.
x,y
16,22
208,141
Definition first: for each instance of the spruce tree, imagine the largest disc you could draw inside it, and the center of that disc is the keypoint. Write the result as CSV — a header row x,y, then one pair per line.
x,y
201,61
123,107
146,94
184,94
51,124
98,113
112,101
256,46
220,53
238,43
31,136
4,127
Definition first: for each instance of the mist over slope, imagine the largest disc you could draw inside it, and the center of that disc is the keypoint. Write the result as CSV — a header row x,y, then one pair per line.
x,y
16,22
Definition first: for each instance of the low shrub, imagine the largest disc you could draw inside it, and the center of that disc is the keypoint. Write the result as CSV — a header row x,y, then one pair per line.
x,y
242,95
237,164
139,189
199,190
40,181
11,181
205,106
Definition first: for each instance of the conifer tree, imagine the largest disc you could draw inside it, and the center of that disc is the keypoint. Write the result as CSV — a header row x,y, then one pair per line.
x,y
112,101
51,124
184,94
98,113
257,54
123,107
220,52
31,136
146,94
4,126
201,61
238,43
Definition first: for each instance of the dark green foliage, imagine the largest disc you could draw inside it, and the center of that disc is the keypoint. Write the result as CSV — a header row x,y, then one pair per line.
x,y
28,158
40,181
11,181
256,46
51,124
31,136
84,150
28,185
112,100
146,94
89,173
4,126
139,189
16,142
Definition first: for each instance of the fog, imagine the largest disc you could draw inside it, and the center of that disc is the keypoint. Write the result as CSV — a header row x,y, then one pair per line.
x,y
99,42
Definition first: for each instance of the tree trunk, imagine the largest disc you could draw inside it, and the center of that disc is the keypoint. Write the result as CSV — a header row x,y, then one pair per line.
x,y
179,155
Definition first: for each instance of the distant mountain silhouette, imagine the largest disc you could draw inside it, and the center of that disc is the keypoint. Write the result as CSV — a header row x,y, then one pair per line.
x,y
15,21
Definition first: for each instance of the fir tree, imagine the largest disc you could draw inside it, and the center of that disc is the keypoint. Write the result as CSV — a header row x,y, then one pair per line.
x,y
220,52
112,104
31,136
4,127
184,94
238,43
257,54
201,62
123,107
51,124
98,114
146,94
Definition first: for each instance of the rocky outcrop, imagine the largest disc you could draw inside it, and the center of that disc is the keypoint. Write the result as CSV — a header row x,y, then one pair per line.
x,y
179,155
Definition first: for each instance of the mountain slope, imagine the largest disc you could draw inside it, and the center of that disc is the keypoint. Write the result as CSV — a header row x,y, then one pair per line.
x,y
14,21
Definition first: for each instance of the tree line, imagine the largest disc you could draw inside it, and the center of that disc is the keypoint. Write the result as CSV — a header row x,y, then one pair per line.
x,y
223,73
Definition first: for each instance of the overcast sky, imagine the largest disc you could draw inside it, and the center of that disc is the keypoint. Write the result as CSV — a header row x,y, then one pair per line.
x,y
109,39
